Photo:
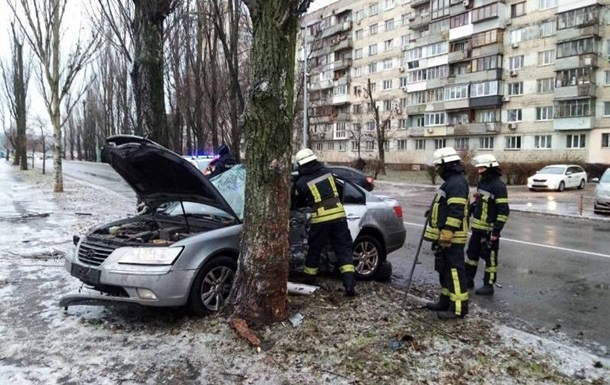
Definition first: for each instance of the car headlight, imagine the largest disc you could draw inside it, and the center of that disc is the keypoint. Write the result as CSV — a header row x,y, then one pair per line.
x,y
147,255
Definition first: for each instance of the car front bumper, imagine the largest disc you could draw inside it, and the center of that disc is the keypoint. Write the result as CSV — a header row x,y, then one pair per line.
x,y
143,285
602,205
548,185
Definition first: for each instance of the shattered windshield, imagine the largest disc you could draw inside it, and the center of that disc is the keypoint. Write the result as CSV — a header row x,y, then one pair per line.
x,y
232,186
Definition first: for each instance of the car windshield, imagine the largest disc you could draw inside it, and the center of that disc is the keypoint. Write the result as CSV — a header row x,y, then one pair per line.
x,y
553,170
231,185
606,177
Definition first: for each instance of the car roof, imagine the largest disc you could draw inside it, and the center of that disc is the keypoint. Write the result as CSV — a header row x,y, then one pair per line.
x,y
346,168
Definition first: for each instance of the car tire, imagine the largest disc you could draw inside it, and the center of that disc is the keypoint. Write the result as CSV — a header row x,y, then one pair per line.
x,y
368,256
561,187
532,189
384,273
582,184
212,286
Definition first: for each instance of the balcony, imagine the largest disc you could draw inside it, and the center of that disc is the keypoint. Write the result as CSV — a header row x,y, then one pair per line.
x,y
486,101
476,128
340,99
416,3
458,56
337,28
479,76
577,32
457,104
573,124
341,43
417,109
419,22
576,61
435,131
416,132
342,64
324,84
345,79
580,90
344,117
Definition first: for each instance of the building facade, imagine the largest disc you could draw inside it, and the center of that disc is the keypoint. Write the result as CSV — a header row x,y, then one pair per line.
x,y
524,80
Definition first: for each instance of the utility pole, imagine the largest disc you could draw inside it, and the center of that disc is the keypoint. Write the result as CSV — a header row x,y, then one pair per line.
x,y
305,96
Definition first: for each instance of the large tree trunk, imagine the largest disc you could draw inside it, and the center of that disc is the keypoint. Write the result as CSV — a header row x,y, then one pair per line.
x,y
260,293
20,103
147,72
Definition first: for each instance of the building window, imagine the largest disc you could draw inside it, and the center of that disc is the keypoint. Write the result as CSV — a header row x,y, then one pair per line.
x,y
359,15
403,124
573,108
515,62
401,145
369,145
340,130
404,19
462,143
544,86
544,113
420,144
485,116
486,143
404,102
577,17
372,68
459,20
358,53
373,87
387,84
373,9
373,29
435,119
572,77
515,89
319,146
485,63
359,34
389,4
577,47
388,45
514,115
575,141
330,146
358,71
517,10
546,57
516,36
389,25
456,92
542,141
387,105
606,108
372,49
513,143
440,143
355,146
342,146
483,13
547,29
607,78
547,4
605,141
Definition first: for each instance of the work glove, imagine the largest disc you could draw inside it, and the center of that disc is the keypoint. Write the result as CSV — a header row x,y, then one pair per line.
x,y
445,239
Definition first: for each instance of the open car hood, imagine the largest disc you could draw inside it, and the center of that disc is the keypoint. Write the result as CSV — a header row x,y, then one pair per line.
x,y
158,175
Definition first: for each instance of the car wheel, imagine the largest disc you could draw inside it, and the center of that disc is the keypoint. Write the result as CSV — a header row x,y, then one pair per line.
x,y
561,187
212,286
532,189
368,256
581,185
384,273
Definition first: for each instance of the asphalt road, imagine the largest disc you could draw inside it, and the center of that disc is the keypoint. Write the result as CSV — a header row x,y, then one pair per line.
x,y
554,272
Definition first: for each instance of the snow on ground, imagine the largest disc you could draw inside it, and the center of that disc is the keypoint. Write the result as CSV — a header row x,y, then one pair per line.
x,y
368,340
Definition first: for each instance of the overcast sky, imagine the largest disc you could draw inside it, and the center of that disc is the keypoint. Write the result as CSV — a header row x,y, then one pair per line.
x,y
317,4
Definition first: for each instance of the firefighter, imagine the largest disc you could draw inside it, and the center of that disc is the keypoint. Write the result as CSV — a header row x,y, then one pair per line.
x,y
447,229
490,213
316,188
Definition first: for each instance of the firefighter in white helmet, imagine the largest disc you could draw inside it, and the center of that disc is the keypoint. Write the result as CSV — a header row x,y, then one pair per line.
x,y
316,188
490,212
447,229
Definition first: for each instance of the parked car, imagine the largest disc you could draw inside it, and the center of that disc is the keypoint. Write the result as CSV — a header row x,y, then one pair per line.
x,y
601,204
558,177
184,252
200,161
353,175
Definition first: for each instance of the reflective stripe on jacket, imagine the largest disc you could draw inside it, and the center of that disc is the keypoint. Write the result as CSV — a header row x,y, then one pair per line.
x,y
317,189
490,211
449,210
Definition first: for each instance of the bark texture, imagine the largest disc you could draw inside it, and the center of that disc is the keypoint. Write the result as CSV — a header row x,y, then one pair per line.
x,y
260,293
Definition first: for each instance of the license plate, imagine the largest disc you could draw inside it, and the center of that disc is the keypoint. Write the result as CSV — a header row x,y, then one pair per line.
x,y
86,274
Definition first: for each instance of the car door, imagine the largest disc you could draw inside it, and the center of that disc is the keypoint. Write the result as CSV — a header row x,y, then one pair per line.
x,y
569,177
574,176
354,202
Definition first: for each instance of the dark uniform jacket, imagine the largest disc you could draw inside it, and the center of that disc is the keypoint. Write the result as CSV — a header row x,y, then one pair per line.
x,y
450,207
316,188
490,210
222,164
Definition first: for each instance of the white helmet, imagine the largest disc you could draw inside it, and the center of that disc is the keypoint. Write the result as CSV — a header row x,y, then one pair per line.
x,y
445,155
485,160
305,156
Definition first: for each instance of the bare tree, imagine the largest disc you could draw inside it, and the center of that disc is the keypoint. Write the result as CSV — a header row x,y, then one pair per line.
x,y
258,295
382,125
16,77
41,21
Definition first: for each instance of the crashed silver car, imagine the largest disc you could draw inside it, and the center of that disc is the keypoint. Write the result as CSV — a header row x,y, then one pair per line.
x,y
185,250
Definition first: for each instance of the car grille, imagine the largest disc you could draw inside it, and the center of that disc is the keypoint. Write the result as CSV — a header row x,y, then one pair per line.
x,y
93,253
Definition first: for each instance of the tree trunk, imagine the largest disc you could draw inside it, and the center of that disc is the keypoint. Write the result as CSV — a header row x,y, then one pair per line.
x,y
260,293
55,104
147,72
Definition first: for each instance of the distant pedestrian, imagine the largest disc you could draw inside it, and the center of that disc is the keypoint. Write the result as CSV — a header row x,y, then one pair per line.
x,y
490,212
316,188
447,229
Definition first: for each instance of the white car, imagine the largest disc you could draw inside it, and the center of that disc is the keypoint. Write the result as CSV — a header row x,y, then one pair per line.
x,y
558,177
601,204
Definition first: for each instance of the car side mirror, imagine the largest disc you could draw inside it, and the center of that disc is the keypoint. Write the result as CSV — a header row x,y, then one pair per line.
x,y
568,172
595,180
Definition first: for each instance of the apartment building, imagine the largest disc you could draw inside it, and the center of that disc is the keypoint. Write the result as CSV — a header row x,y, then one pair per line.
x,y
524,80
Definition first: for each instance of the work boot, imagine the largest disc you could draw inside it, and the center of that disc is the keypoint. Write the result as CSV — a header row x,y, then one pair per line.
x,y
441,305
349,282
471,271
485,290
308,279
448,314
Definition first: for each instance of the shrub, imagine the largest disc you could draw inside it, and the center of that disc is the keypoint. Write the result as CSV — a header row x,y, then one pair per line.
x,y
432,175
